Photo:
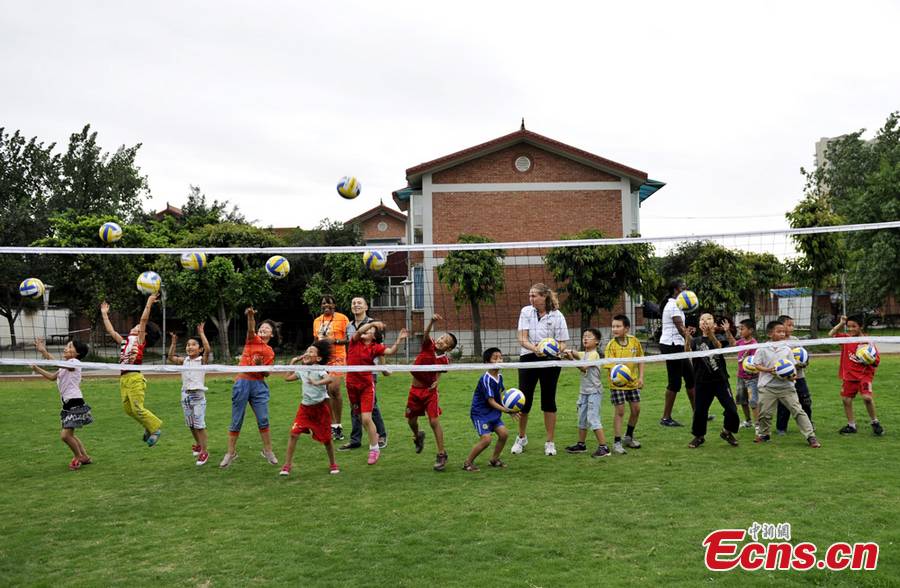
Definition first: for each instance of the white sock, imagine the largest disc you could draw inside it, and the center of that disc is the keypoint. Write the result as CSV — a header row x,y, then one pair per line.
x,y
373,447
852,423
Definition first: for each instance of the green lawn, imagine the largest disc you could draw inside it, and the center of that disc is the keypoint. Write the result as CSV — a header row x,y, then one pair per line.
x,y
148,516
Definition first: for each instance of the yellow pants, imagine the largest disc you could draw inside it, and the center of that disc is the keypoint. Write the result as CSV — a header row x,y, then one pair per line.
x,y
132,387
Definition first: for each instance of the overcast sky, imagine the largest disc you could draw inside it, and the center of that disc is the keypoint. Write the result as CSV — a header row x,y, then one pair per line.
x,y
267,104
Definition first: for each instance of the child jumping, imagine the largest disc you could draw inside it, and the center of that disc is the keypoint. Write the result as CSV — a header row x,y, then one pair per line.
x,y
75,413
487,407
590,396
193,389
625,345
314,413
856,377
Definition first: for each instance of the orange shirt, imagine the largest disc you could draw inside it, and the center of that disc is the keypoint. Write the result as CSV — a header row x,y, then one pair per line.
x,y
333,327
255,348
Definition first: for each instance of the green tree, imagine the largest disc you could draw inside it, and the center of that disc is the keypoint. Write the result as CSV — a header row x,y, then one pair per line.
x,y
473,277
716,275
343,276
198,212
594,278
766,272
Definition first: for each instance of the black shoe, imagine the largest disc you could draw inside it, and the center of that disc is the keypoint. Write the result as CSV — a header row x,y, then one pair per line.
x,y
382,442
847,430
877,428
669,422
577,448
349,446
337,433
419,441
762,439
728,437
696,442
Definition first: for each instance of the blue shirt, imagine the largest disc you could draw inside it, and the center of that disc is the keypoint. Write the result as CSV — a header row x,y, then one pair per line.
x,y
487,387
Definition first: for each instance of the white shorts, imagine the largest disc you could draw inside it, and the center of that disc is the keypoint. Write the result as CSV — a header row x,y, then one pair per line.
x,y
193,402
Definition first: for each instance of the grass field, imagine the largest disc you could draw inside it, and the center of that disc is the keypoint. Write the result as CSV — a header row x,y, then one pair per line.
x,y
148,516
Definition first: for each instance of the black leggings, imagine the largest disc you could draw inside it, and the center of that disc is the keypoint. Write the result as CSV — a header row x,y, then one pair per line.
x,y
528,380
705,393
677,368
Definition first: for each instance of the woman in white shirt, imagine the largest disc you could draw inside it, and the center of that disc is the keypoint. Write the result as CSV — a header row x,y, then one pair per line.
x,y
672,341
539,320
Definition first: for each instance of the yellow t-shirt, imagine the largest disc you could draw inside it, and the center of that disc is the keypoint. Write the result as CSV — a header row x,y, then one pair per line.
x,y
631,348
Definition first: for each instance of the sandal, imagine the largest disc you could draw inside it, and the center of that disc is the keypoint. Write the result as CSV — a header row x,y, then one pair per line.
x,y
470,467
697,442
729,438
497,463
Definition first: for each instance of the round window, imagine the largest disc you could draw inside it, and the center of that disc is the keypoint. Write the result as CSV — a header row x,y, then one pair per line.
x,y
523,163
382,226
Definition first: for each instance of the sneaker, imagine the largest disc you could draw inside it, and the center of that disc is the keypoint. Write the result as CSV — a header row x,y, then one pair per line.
x,y
631,442
519,446
618,449
146,435
337,432
877,428
74,464
349,446
419,441
382,442
334,469
285,470
374,454
227,460
602,451
762,439
577,448
269,456
202,458
669,422
728,437
813,442
195,450
746,424
780,432
847,430
549,448
153,439
696,442
440,462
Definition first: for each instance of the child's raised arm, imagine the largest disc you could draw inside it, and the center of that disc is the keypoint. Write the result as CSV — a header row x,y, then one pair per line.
x,y
400,337
837,328
292,376
251,322
367,327
205,342
45,373
434,318
145,316
172,357
42,348
104,312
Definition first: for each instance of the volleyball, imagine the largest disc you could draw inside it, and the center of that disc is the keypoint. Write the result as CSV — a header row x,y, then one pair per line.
x,y
513,399
374,260
748,365
149,283
349,187
687,301
621,375
867,354
110,232
784,368
800,355
278,267
548,346
193,261
31,288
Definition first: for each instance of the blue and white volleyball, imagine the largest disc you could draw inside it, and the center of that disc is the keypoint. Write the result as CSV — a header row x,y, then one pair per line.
x,y
621,375
748,364
110,232
548,346
193,261
349,187
278,267
687,301
31,288
513,399
800,355
374,260
867,354
149,283
785,368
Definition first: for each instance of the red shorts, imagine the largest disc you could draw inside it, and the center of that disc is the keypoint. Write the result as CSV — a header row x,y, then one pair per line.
x,y
850,388
313,419
361,399
423,401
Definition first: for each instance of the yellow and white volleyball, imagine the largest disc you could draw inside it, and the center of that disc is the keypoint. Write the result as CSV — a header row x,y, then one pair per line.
x,y
548,346
374,260
149,283
193,261
867,354
31,288
349,187
687,301
278,267
749,366
110,232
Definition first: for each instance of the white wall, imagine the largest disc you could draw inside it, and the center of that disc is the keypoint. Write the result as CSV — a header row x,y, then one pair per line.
x,y
31,324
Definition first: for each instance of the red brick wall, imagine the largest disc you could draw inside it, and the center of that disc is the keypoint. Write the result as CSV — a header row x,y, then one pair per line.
x,y
396,228
499,167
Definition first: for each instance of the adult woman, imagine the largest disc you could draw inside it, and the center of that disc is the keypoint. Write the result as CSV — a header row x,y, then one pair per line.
x,y
331,326
672,341
539,320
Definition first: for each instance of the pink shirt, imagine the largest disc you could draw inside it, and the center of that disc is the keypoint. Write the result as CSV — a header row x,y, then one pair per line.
x,y
69,382
741,355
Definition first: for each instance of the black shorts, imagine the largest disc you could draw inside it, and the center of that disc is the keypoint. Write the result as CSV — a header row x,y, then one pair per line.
x,y
528,380
677,369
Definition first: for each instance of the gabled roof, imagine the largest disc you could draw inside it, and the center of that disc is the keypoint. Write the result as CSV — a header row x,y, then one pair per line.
x,y
415,173
169,210
380,209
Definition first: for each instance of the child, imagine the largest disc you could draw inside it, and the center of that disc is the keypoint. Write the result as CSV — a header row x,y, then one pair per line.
x,y
711,377
856,377
782,414
486,409
423,394
193,389
75,413
314,413
132,385
624,345
590,396
747,391
365,345
251,388
774,390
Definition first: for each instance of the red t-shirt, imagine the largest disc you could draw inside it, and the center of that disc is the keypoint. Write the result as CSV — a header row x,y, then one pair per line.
x,y
253,348
428,356
854,371
359,353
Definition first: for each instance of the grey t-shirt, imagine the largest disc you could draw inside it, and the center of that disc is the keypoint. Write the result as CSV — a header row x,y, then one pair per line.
x,y
313,393
768,357
590,380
